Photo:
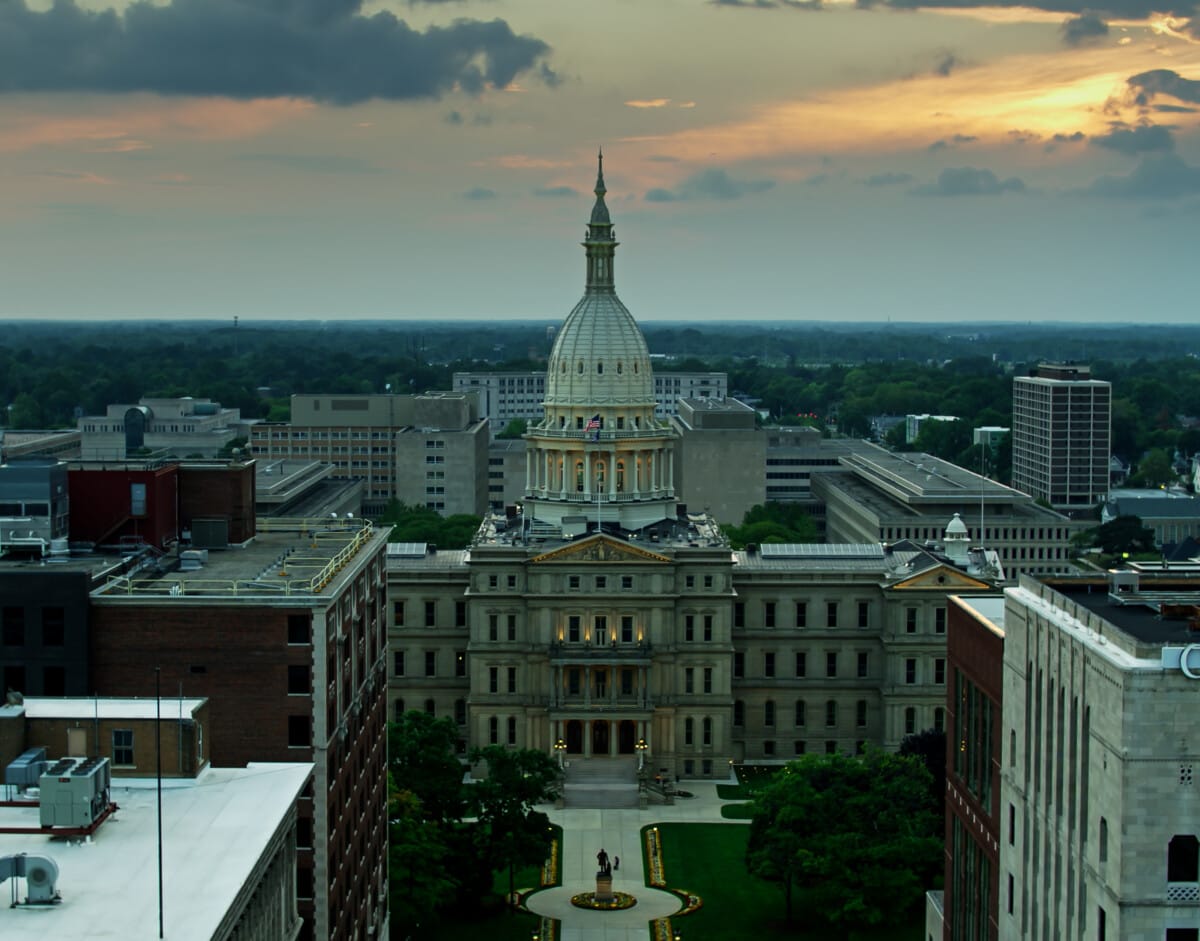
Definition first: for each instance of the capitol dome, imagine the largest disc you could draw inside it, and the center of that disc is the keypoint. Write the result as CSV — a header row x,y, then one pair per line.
x,y
599,359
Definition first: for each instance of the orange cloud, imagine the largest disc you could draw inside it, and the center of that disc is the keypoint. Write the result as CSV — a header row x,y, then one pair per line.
x,y
129,122
1066,91
648,103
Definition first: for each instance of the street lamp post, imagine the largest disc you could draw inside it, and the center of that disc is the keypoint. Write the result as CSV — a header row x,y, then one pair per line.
x,y
560,747
641,750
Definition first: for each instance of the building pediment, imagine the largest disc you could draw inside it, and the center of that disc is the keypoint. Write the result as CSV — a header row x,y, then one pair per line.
x,y
600,548
941,578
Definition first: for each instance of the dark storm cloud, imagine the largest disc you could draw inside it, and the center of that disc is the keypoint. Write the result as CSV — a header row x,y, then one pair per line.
x,y
1131,9
1083,29
1160,176
954,141
324,50
888,179
710,184
1146,85
969,181
479,193
1136,140
556,191
945,64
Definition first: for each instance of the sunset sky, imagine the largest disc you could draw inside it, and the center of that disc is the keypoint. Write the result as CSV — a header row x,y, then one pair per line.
x,y
765,159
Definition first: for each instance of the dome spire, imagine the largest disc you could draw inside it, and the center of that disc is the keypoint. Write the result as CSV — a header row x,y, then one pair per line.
x,y
600,242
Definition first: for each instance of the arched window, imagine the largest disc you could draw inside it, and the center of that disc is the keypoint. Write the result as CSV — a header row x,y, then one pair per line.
x,y
769,713
429,706
1103,841
600,368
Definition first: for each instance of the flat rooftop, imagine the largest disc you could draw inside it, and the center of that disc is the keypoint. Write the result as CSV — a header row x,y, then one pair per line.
x,y
215,829
109,707
914,477
1138,613
288,557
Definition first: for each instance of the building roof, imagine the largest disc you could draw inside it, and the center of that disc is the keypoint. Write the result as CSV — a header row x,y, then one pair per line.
x,y
915,478
289,561
105,707
1134,602
215,829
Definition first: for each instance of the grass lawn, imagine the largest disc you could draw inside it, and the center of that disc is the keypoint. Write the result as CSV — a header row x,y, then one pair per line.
x,y
737,811
750,779
708,860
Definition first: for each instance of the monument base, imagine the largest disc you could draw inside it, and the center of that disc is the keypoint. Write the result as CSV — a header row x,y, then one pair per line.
x,y
604,892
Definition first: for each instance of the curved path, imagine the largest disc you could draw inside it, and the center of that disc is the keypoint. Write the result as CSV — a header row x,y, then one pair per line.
x,y
618,832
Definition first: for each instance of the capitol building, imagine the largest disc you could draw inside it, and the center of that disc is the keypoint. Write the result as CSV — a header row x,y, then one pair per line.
x,y
602,618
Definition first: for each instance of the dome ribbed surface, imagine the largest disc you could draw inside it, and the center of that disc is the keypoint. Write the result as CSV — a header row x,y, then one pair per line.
x,y
600,357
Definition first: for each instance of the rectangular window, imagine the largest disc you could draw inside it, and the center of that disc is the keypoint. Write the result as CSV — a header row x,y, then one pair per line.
x,y
801,664
494,730
801,713
430,613
768,664
493,581
689,680
14,626
398,613
860,713
910,670
864,614
910,620
601,582
431,663
122,747
739,664
460,614
689,628
939,620
299,735
831,659
768,614
708,581
512,627
768,749
831,614
739,614
708,679
573,582
512,679
939,671
298,680
801,614
512,730
493,627
708,627
299,628
54,681
493,679
511,581
799,747
54,623
863,665
460,663
573,624
627,628
626,582
398,663
689,581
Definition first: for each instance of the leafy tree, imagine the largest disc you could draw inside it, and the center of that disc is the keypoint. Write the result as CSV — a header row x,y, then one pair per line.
x,y
1154,469
930,747
421,524
855,834
420,876
772,522
514,429
510,833
1125,534
422,761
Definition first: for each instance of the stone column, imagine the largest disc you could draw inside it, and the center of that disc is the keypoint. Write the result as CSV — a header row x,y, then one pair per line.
x,y
587,739
587,686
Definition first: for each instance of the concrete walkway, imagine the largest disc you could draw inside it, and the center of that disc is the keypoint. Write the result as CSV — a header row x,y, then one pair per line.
x,y
585,832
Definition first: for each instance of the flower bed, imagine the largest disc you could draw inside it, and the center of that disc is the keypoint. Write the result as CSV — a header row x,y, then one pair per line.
x,y
550,869
619,902
657,877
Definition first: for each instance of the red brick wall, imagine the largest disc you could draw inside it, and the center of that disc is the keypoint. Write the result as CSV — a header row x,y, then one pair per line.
x,y
219,492
236,656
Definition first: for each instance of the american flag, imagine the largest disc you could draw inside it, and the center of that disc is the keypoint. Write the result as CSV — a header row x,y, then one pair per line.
x,y
593,424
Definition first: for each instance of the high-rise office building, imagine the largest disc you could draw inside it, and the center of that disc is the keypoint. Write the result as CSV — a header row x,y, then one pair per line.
x,y
1062,436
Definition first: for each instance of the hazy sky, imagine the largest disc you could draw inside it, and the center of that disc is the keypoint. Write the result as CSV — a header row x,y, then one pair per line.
x,y
765,159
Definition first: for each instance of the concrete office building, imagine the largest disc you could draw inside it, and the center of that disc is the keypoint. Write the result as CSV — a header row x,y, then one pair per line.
x,y
1062,436
382,440
505,396
600,618
183,427
1100,831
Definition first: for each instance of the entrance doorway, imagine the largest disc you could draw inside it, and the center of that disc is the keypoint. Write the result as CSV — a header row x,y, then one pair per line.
x,y
574,737
600,737
625,737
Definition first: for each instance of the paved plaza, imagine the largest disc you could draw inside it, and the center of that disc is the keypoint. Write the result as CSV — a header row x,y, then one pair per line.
x,y
618,832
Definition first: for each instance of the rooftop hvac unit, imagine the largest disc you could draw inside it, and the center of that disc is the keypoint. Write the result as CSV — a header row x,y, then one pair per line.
x,y
210,533
24,770
74,792
40,872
